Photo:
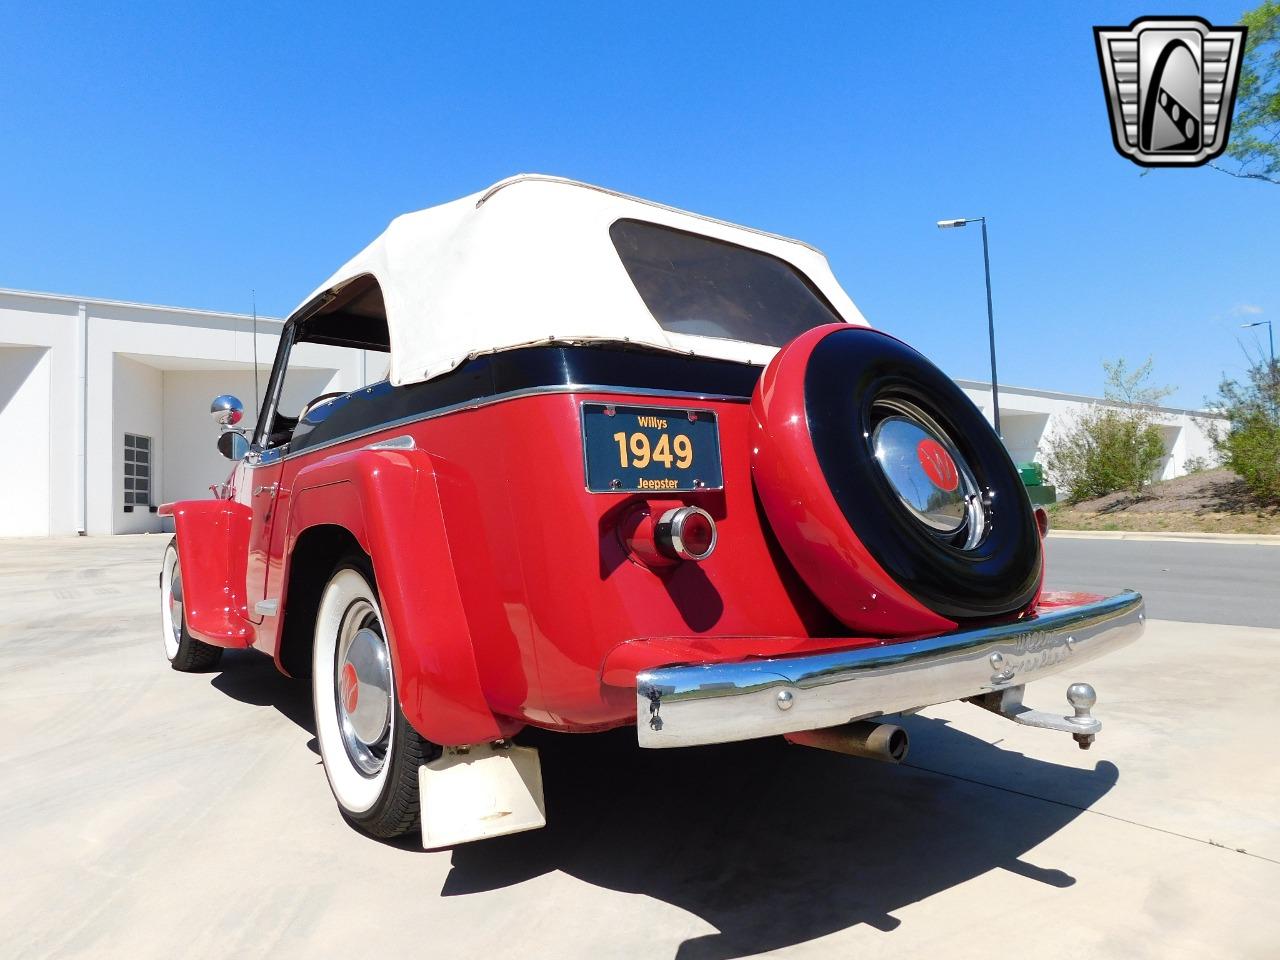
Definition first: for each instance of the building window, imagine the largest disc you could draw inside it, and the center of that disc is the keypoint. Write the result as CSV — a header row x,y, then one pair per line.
x,y
137,471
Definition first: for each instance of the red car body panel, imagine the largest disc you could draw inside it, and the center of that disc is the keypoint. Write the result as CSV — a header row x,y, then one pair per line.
x,y
508,592
391,502
213,538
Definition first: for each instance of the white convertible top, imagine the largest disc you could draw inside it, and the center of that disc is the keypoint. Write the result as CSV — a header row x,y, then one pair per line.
x,y
530,260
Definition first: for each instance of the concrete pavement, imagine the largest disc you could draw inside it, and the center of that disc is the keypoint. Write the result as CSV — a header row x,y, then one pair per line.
x,y
145,813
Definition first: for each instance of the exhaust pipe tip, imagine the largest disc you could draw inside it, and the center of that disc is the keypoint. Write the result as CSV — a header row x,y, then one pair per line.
x,y
886,742
890,741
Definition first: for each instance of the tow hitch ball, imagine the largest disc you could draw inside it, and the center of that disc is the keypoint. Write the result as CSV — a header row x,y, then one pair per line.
x,y
1083,725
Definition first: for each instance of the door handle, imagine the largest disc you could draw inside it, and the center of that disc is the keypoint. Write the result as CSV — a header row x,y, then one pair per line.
x,y
266,488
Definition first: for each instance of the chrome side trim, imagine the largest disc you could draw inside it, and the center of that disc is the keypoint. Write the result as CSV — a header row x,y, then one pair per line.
x,y
719,702
503,398
405,442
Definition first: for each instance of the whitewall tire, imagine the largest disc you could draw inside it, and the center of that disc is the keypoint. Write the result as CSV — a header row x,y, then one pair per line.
x,y
182,650
371,755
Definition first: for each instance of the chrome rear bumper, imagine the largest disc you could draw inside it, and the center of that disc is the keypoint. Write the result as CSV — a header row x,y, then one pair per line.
x,y
718,702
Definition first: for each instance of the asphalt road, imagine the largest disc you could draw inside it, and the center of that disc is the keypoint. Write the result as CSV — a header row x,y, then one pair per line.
x,y
1200,582
146,813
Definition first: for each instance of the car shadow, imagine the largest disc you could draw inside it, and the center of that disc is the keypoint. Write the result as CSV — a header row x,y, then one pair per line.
x,y
252,678
774,845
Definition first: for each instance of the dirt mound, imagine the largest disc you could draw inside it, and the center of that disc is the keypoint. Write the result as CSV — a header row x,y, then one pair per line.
x,y
1208,491
1210,501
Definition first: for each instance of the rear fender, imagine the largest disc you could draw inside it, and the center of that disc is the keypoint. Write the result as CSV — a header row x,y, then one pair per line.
x,y
213,544
389,500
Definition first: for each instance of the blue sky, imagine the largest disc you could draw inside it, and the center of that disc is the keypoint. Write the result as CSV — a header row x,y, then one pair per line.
x,y
188,155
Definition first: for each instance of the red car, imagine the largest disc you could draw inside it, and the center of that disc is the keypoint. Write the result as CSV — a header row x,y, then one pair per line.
x,y
628,466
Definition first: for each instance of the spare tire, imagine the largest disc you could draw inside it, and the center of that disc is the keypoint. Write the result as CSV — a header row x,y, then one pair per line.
x,y
887,488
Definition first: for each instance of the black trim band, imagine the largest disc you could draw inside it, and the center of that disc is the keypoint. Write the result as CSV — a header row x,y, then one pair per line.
x,y
511,371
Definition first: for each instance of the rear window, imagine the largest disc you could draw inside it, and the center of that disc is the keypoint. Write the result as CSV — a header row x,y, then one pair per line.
x,y
709,288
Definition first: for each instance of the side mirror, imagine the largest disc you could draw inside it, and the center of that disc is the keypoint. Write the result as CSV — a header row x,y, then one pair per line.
x,y
233,445
226,410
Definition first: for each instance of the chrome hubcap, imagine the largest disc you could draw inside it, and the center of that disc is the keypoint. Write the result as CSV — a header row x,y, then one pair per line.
x,y
362,688
175,602
927,472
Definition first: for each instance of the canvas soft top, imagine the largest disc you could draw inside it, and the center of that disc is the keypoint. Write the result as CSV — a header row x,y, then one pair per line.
x,y
528,261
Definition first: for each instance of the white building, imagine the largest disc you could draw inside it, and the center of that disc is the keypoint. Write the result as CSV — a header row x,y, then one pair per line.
x,y
104,407
1028,418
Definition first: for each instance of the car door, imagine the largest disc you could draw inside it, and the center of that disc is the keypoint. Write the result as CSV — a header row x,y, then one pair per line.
x,y
260,486
262,490
321,357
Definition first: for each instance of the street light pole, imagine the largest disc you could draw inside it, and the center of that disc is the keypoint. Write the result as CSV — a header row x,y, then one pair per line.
x,y
1273,374
991,329
991,320
1271,336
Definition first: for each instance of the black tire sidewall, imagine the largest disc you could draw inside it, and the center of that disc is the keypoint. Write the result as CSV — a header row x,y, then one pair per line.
x,y
847,373
191,655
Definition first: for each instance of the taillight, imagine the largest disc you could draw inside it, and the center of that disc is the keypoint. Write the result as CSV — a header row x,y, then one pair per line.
x,y
1042,521
688,533
659,534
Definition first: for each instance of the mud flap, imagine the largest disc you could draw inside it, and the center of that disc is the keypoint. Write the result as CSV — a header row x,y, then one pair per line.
x,y
479,792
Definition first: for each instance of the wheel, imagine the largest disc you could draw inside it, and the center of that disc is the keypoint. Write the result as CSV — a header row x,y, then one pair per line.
x,y
183,651
919,480
922,477
371,754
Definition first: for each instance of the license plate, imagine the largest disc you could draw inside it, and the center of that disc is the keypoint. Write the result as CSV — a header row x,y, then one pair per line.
x,y
650,449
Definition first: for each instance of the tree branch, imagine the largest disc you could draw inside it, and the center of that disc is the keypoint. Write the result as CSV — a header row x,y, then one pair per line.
x,y
1245,176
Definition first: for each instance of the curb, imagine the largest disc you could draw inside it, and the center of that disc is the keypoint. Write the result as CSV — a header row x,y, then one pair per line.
x,y
1252,539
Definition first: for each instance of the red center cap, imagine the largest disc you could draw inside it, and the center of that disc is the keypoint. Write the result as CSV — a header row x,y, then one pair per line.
x,y
938,465
350,688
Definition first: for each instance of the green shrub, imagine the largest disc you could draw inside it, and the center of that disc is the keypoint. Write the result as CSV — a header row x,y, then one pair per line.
x,y
1111,447
1196,465
1250,444
1105,451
